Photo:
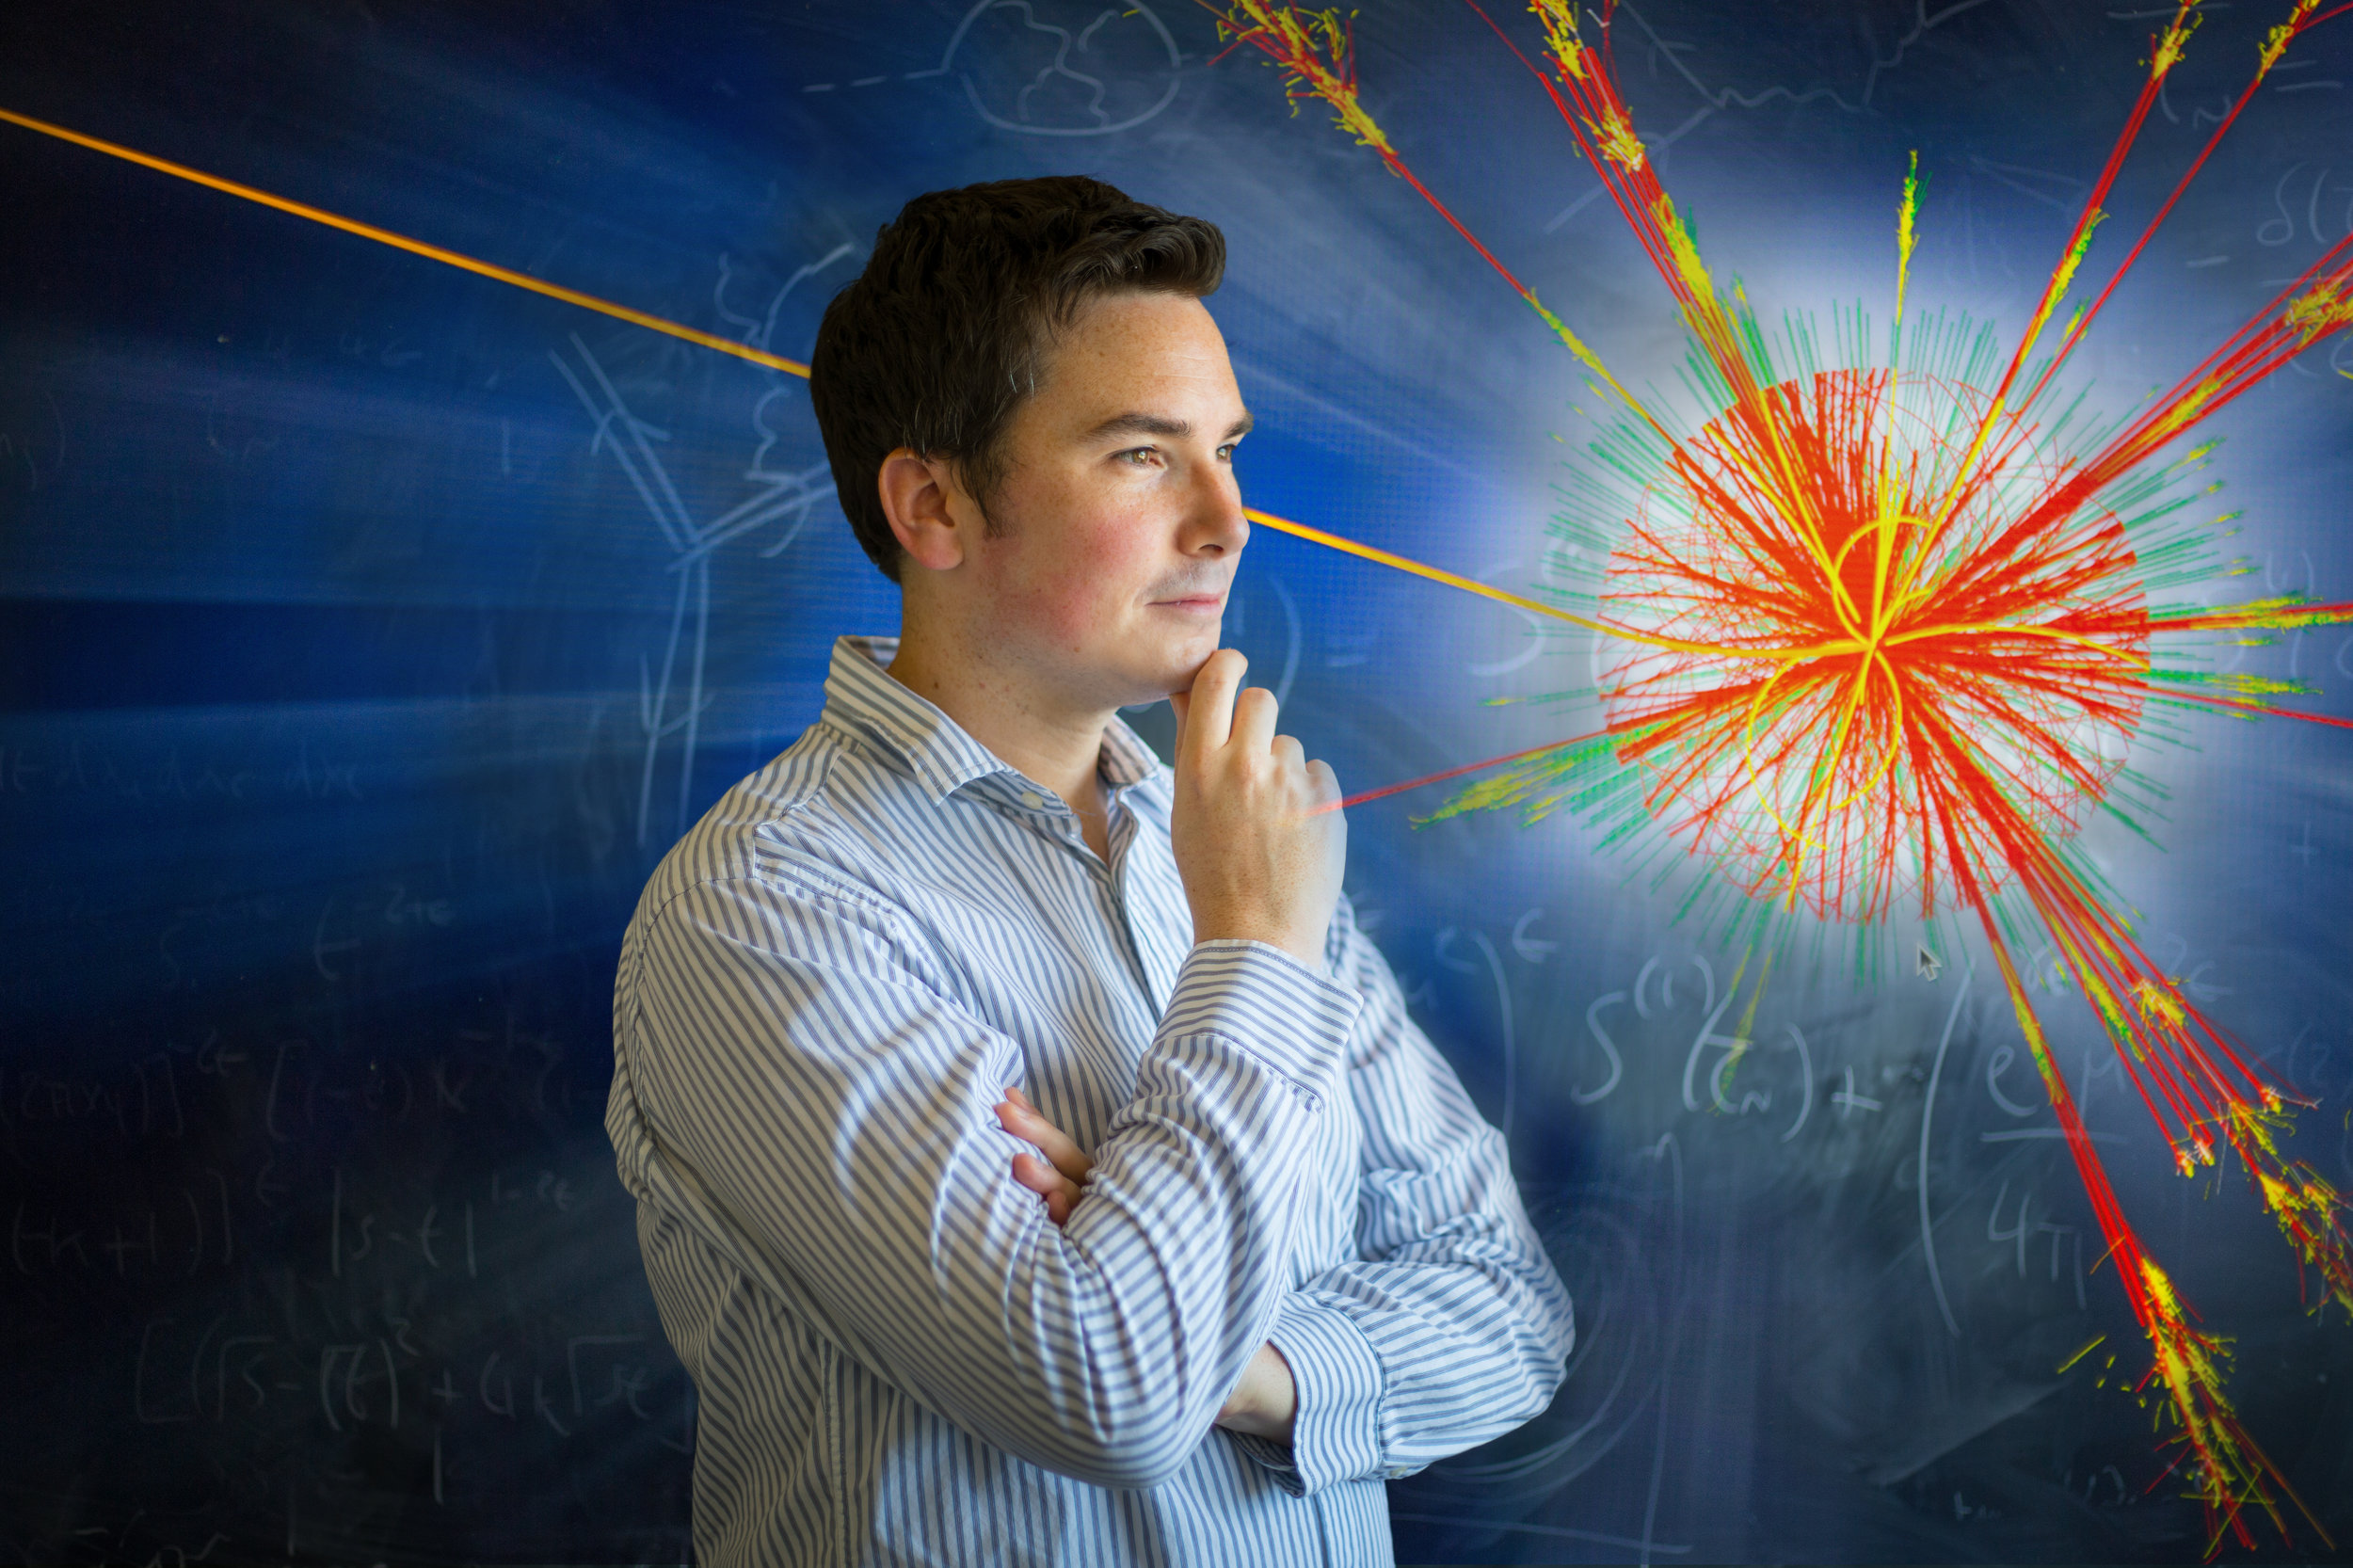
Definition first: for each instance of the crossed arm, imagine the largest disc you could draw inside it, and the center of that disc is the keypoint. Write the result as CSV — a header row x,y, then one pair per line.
x,y
1264,1402
830,1115
1449,1329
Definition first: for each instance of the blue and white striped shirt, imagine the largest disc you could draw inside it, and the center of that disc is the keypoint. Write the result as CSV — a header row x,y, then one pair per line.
x,y
826,988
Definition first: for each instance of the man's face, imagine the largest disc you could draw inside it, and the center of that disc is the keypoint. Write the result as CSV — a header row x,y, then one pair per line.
x,y
1121,520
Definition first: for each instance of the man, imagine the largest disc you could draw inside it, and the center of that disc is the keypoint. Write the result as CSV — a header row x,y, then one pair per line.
x,y
966,945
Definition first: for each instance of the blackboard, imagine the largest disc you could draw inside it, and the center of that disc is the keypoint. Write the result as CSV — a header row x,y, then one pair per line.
x,y
367,631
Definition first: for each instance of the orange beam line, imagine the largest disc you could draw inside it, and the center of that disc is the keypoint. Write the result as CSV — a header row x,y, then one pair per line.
x,y
1401,563
415,247
694,335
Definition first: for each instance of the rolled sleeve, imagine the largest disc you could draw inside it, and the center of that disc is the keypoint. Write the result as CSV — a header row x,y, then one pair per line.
x,y
1336,1435
1449,1327
1294,1019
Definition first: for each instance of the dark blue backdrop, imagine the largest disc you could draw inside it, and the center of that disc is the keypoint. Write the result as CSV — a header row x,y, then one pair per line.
x,y
367,630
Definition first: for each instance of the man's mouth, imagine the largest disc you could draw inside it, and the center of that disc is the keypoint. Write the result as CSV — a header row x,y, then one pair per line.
x,y
1191,599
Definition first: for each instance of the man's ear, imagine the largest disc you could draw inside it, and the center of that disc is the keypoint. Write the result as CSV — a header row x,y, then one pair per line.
x,y
930,515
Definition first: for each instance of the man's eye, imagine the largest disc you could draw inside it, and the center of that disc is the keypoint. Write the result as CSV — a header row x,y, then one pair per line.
x,y
1141,457
1227,451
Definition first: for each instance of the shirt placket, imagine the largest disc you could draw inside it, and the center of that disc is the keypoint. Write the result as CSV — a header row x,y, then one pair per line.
x,y
1057,821
1125,829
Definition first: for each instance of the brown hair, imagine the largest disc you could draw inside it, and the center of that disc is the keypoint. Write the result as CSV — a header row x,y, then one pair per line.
x,y
936,344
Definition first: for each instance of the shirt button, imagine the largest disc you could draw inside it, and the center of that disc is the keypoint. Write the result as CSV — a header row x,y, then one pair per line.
x,y
1031,799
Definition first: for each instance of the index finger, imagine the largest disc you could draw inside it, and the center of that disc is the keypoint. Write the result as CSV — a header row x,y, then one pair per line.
x,y
1028,1121
1209,714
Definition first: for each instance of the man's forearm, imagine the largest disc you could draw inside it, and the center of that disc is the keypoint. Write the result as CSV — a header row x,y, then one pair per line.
x,y
1265,1402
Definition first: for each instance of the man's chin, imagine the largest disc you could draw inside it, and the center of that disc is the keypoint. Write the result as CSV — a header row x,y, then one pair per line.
x,y
1161,691
1169,670
1144,691
1181,673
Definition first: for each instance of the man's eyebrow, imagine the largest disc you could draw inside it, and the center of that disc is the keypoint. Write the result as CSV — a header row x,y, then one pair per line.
x,y
1134,423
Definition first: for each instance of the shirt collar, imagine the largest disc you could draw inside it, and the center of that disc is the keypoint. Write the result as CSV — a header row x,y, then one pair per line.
x,y
861,697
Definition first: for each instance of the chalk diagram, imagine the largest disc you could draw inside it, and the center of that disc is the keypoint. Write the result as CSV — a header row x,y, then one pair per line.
x,y
1049,68
671,699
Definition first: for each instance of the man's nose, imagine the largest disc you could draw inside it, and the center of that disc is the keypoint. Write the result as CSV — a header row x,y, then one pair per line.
x,y
1216,527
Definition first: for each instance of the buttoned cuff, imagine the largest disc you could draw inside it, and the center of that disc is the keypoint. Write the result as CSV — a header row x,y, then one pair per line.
x,y
1335,1434
1291,1018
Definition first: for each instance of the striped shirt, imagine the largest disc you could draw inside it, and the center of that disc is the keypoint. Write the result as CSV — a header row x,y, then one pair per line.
x,y
826,988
